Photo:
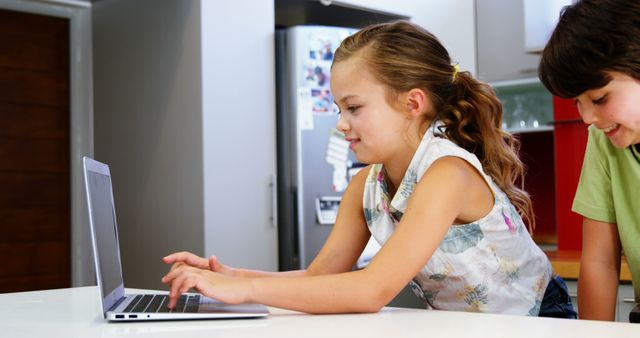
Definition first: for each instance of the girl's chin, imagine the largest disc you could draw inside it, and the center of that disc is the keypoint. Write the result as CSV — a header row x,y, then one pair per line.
x,y
363,159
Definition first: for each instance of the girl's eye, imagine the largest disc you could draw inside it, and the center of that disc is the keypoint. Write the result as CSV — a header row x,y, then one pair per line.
x,y
352,109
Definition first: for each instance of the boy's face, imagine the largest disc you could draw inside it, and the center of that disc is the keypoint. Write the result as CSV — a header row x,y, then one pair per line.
x,y
614,109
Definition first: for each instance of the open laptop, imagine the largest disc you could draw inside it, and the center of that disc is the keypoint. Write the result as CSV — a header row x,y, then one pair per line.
x,y
116,306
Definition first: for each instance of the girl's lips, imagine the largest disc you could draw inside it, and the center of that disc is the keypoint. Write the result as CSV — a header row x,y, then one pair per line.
x,y
352,142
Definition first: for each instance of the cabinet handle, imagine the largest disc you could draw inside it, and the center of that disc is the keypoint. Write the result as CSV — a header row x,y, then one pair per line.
x,y
529,71
626,300
556,122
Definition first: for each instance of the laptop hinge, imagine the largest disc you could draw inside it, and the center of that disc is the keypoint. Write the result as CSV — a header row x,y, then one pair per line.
x,y
115,306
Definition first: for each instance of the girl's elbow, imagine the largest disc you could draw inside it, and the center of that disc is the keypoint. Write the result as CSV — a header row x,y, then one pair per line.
x,y
369,306
374,308
377,298
378,293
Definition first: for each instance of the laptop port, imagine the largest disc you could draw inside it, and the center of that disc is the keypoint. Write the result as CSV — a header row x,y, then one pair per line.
x,y
119,316
133,316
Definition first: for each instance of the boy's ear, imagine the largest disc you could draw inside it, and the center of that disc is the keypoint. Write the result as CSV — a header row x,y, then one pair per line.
x,y
418,103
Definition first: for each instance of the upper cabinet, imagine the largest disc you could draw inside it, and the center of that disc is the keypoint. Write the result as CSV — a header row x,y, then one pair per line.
x,y
540,18
510,35
328,13
501,42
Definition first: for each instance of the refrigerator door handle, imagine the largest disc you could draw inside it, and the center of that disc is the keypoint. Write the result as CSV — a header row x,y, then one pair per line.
x,y
273,217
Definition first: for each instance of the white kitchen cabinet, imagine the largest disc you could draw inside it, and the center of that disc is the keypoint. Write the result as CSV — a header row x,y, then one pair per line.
x,y
452,21
501,42
626,302
540,18
572,286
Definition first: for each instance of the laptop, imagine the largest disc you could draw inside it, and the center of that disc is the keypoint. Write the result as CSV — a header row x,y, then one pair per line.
x,y
116,306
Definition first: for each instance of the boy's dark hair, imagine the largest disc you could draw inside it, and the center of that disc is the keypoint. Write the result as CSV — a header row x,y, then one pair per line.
x,y
592,37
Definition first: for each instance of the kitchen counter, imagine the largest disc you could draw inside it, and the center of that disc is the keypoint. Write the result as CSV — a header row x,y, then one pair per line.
x,y
567,264
76,312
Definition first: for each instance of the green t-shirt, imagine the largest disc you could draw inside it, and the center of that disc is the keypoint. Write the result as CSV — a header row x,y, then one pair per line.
x,y
609,191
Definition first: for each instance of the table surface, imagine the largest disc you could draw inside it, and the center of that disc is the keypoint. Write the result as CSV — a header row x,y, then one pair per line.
x,y
76,312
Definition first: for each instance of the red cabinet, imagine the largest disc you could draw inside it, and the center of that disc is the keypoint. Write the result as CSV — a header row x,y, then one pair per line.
x,y
570,140
536,152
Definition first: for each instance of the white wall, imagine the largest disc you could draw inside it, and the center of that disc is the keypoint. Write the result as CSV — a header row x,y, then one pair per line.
x,y
185,116
148,118
238,128
452,21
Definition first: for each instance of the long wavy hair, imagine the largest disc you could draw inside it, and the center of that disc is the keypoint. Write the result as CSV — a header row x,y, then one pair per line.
x,y
403,56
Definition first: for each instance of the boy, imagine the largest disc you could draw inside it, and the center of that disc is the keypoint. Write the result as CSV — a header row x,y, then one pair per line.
x,y
593,56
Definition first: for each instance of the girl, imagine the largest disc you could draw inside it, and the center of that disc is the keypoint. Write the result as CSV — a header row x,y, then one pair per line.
x,y
438,196
593,56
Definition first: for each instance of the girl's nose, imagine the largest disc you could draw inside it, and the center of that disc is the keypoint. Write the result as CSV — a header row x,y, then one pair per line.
x,y
342,124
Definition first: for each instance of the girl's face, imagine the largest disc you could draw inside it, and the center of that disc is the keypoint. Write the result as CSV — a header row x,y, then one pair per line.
x,y
614,109
376,131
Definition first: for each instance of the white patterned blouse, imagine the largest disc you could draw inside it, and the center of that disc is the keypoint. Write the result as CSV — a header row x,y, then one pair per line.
x,y
490,265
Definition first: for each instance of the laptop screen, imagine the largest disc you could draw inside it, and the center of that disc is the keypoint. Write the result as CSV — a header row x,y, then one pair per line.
x,y
106,235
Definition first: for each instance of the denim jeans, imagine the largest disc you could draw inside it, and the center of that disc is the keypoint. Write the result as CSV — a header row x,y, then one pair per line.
x,y
556,302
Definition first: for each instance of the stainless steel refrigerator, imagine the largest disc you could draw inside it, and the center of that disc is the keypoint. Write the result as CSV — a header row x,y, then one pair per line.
x,y
314,161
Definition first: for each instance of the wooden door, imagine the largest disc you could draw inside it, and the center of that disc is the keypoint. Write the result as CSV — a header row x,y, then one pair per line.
x,y
34,152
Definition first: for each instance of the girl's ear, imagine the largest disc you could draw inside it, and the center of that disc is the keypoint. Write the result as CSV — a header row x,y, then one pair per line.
x,y
418,103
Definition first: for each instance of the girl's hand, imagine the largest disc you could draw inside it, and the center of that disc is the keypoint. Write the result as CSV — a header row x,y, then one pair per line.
x,y
226,289
216,266
187,258
181,258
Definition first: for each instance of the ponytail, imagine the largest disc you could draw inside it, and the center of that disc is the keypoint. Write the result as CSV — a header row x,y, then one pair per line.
x,y
472,116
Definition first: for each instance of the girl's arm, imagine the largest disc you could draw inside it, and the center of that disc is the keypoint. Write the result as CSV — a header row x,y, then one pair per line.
x,y
449,189
339,253
349,235
599,270
185,258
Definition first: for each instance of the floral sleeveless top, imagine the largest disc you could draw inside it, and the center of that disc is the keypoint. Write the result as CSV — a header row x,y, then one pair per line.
x,y
490,265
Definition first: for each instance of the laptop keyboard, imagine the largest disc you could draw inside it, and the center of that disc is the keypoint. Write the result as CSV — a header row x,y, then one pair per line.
x,y
158,303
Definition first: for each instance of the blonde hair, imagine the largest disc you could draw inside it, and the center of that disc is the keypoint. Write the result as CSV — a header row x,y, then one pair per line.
x,y
403,56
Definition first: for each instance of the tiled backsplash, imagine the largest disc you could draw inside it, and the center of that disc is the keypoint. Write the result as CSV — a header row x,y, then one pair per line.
x,y
527,106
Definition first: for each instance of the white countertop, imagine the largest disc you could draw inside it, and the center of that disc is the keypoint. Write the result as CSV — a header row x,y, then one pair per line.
x,y
76,312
